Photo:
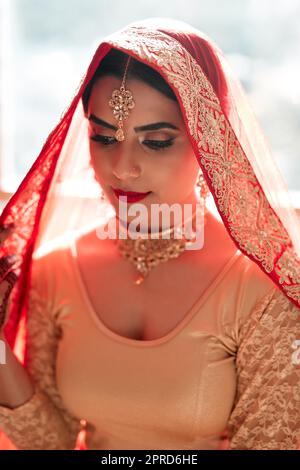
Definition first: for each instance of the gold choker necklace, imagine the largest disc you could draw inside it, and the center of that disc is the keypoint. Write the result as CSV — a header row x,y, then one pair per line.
x,y
145,253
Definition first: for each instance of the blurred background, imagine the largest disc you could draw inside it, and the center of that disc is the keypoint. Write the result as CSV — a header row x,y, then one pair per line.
x,y
46,45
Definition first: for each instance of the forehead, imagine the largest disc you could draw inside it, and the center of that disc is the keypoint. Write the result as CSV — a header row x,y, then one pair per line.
x,y
147,99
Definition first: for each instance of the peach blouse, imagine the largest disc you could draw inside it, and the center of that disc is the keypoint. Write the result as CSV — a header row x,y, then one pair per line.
x,y
229,367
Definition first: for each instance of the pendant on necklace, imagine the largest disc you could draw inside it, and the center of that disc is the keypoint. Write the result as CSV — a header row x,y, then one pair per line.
x,y
139,280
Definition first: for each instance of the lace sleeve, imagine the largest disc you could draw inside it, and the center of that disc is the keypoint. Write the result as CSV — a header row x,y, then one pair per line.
x,y
42,422
266,413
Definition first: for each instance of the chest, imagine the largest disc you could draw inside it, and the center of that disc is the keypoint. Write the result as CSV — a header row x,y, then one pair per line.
x,y
154,308
181,389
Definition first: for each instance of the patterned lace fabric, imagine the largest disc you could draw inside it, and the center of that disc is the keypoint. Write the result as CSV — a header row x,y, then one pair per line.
x,y
42,423
266,414
266,411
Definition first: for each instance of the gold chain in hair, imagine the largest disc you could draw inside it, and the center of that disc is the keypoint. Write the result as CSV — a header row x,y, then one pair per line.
x,y
121,101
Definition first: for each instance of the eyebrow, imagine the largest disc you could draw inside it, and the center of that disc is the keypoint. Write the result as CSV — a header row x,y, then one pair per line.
x,y
149,127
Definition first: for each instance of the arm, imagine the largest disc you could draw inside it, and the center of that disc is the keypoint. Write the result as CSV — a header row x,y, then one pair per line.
x,y
42,422
15,385
266,413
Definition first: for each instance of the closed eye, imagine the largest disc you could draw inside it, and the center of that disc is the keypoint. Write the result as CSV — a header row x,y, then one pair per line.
x,y
105,140
152,144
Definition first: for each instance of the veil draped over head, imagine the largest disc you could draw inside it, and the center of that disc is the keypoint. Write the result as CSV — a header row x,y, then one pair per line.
x,y
59,193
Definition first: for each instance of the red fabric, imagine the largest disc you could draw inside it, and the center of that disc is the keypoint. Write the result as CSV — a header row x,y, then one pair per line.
x,y
203,53
25,208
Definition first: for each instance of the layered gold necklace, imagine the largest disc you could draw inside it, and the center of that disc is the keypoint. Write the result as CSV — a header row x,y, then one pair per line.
x,y
145,253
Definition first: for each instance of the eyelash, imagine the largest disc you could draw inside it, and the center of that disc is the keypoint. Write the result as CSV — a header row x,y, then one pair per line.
x,y
155,145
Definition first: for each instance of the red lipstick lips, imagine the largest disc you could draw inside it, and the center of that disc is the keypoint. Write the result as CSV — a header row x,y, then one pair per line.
x,y
130,195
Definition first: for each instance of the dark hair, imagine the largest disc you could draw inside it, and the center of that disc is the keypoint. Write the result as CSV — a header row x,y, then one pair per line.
x,y
114,64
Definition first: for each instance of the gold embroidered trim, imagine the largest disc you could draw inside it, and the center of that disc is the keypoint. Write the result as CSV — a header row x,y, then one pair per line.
x,y
238,195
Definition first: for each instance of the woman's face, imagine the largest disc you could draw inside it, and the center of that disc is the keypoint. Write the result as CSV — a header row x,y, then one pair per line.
x,y
158,160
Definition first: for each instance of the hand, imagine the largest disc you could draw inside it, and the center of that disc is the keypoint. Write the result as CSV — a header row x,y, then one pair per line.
x,y
8,275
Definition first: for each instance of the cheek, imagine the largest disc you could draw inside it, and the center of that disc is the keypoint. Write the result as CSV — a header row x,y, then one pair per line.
x,y
98,164
191,165
185,169
192,170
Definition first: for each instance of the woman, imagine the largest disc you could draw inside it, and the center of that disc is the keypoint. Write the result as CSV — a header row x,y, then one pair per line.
x,y
152,345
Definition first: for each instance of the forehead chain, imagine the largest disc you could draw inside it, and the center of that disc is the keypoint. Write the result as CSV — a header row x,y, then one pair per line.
x,y
121,102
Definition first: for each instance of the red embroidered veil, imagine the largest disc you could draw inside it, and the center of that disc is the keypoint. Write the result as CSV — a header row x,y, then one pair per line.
x,y
59,192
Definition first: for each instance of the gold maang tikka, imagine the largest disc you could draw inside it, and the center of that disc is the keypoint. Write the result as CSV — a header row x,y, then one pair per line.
x,y
121,101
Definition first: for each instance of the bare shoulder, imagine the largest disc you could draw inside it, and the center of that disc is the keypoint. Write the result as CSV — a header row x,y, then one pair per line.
x,y
218,244
89,244
52,251
221,246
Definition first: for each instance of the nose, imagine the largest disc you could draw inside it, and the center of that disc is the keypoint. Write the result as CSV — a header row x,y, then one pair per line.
x,y
124,168
125,173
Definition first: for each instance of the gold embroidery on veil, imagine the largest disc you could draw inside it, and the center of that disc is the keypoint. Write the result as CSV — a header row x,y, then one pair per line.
x,y
239,197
